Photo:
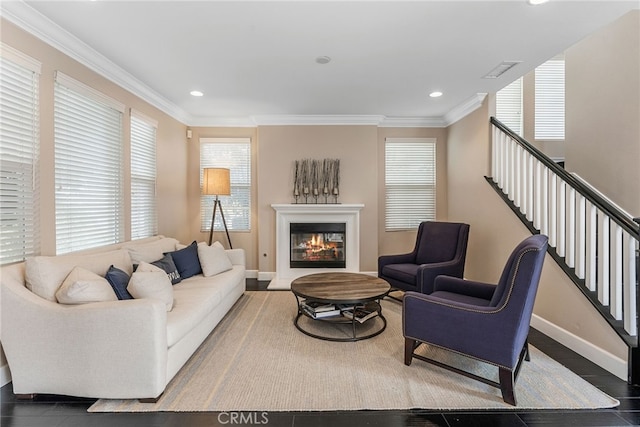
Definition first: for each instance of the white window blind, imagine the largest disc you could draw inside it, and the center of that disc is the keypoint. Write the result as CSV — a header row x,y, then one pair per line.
x,y
509,106
235,154
410,182
19,149
88,167
144,217
549,99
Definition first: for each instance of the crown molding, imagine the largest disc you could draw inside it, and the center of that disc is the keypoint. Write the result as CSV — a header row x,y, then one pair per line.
x,y
464,109
412,122
320,120
309,120
30,20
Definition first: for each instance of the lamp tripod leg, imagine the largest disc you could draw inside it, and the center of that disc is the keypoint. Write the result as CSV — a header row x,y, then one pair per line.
x,y
213,217
225,227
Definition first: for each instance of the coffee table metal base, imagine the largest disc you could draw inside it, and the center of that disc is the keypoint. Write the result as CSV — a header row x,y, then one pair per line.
x,y
342,321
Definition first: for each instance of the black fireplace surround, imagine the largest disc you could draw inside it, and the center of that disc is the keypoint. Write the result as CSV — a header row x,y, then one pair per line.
x,y
317,245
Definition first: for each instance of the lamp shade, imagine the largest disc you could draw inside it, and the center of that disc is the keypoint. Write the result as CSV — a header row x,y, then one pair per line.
x,y
216,181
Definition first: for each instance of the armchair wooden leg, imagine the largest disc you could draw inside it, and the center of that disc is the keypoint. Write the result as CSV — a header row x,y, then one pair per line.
x,y
409,346
507,385
527,356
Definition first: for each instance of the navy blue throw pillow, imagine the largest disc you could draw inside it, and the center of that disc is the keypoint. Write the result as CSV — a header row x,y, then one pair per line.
x,y
187,260
118,280
166,263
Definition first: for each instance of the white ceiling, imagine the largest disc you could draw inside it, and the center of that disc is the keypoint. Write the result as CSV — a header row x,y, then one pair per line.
x,y
255,61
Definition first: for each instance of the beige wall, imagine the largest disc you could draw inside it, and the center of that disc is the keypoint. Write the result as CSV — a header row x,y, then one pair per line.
x,y
171,151
361,153
603,110
495,231
280,146
395,242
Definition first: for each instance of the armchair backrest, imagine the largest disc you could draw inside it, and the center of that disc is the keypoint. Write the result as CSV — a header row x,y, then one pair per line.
x,y
440,241
523,268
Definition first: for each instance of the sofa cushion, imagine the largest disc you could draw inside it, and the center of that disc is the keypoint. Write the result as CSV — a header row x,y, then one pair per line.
x,y
213,259
150,251
118,280
152,284
45,274
191,307
82,286
187,261
167,265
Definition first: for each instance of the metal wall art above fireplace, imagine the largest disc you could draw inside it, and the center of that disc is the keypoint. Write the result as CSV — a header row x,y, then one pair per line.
x,y
317,245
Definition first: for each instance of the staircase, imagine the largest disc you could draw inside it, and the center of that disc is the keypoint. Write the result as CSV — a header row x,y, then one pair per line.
x,y
591,239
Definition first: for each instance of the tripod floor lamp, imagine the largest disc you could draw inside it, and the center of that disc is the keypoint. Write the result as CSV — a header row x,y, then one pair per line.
x,y
216,182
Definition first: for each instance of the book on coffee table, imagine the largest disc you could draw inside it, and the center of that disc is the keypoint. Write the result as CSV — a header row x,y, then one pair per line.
x,y
361,314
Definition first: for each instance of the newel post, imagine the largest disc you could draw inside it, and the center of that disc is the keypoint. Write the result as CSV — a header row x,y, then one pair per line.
x,y
634,352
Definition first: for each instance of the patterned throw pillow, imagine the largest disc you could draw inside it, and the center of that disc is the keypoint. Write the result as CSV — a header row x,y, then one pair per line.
x,y
167,264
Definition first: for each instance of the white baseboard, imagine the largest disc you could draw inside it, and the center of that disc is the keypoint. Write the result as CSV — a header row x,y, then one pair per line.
x,y
251,274
597,355
5,375
266,275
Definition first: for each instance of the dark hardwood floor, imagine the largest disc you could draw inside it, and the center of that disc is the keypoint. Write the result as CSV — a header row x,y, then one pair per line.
x,y
52,411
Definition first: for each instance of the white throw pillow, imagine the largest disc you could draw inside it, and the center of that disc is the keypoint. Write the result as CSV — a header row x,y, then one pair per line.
x,y
152,284
83,286
145,267
45,274
152,251
213,259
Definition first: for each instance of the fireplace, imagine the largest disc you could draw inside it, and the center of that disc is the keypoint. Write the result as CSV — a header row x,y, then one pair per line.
x,y
317,245
347,215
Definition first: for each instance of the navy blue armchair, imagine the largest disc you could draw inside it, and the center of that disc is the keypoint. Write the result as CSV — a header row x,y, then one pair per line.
x,y
483,321
441,248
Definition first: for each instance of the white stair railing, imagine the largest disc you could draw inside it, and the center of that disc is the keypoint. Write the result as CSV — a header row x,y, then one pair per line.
x,y
595,239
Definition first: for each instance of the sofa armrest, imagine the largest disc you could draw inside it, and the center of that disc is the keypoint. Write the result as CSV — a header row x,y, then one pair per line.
x,y
237,256
85,350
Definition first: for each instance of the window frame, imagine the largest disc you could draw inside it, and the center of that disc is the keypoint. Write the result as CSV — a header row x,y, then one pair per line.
x,y
87,174
19,155
239,203
143,217
398,165
550,93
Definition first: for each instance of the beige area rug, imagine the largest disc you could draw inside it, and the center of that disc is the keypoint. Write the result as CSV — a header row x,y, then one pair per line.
x,y
256,360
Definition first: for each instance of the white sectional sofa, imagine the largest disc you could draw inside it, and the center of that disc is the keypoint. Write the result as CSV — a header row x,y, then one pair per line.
x,y
110,349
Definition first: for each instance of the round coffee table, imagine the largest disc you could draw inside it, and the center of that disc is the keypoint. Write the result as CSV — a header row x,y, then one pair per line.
x,y
355,299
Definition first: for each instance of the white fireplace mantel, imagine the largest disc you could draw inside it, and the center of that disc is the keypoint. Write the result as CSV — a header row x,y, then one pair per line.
x,y
349,214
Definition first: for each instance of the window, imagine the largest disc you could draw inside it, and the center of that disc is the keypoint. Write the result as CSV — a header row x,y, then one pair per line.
x,y
143,176
549,99
509,106
410,182
88,167
19,144
235,154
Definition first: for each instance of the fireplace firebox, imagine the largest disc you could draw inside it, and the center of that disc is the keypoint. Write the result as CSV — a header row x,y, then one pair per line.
x,y
317,245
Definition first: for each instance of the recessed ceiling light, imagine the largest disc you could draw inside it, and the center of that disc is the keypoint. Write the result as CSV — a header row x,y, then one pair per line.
x,y
536,2
196,93
323,59
435,94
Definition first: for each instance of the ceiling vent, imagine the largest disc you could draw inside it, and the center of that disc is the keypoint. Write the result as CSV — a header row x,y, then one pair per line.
x,y
502,68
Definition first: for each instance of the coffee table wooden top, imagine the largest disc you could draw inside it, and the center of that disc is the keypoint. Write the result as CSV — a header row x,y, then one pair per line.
x,y
340,288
